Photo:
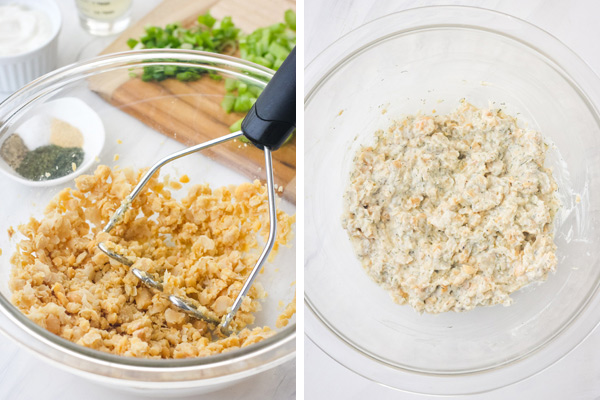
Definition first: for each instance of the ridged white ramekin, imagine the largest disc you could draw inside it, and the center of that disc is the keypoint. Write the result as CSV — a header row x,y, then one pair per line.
x,y
18,70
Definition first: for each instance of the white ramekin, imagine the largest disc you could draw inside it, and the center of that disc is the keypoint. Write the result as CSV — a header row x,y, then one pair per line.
x,y
18,70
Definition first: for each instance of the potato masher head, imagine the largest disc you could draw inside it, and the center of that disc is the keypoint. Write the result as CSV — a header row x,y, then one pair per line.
x,y
268,125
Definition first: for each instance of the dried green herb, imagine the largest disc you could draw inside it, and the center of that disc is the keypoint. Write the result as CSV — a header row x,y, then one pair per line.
x,y
50,162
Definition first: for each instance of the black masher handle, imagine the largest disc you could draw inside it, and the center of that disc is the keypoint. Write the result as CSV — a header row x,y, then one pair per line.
x,y
272,118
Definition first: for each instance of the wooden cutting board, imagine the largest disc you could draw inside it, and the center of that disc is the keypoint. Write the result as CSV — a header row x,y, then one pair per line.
x,y
190,112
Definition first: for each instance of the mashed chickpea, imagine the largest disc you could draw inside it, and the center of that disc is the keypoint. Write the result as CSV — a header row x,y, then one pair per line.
x,y
203,246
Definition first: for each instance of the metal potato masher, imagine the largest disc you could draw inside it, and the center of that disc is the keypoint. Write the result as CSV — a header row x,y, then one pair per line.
x,y
267,125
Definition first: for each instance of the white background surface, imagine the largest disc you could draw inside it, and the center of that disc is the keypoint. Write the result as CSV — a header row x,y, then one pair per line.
x,y
575,23
25,376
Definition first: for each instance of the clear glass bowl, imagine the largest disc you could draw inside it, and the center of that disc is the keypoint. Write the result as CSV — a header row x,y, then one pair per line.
x,y
424,59
138,145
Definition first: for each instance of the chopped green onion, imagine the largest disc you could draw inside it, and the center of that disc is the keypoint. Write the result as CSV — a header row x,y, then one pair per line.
x,y
243,103
254,90
278,51
230,85
132,43
170,70
242,87
228,102
290,19
237,126
267,46
207,20
187,76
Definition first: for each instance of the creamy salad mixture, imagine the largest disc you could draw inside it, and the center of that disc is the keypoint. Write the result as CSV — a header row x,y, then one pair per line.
x,y
450,212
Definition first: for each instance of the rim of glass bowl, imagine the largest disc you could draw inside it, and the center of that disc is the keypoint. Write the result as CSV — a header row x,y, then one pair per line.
x,y
242,362
580,325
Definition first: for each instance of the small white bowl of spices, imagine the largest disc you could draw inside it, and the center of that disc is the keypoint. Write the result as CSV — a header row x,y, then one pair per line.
x,y
57,142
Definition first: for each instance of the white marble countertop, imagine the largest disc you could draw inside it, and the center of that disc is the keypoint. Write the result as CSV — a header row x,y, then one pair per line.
x,y
577,376
22,374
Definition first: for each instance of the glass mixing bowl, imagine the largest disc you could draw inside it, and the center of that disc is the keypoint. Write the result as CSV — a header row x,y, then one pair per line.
x,y
424,59
122,102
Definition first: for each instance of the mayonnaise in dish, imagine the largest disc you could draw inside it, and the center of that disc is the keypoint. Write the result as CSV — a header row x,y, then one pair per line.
x,y
22,29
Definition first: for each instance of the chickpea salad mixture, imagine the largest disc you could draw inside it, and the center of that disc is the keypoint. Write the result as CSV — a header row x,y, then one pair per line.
x,y
451,212
203,246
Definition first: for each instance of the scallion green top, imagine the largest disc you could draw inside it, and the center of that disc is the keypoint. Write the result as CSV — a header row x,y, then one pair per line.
x,y
267,46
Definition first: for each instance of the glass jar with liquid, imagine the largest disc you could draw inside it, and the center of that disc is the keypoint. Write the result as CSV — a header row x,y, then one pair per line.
x,y
104,17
